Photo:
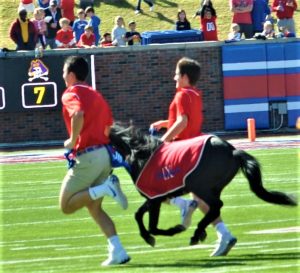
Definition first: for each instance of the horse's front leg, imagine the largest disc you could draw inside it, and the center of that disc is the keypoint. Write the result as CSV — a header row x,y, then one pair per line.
x,y
200,233
154,210
145,234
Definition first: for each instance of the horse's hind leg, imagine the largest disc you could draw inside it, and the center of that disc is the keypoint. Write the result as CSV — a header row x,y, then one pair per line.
x,y
212,214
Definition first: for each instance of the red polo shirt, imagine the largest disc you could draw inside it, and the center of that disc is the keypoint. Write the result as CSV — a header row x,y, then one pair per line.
x,y
67,7
187,101
88,41
97,114
287,11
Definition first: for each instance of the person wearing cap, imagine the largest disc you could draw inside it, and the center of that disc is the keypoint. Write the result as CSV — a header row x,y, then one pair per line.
x,y
132,37
87,39
54,13
44,4
23,32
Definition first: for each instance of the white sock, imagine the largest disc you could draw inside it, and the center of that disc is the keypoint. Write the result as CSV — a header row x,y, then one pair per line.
x,y
178,201
221,229
114,242
99,191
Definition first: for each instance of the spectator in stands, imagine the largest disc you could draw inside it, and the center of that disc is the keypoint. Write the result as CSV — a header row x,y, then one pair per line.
x,y
133,37
242,16
284,32
87,39
26,4
205,4
182,22
284,12
209,26
118,32
93,22
67,10
234,34
53,15
79,24
23,33
40,26
106,41
268,30
64,37
260,13
138,6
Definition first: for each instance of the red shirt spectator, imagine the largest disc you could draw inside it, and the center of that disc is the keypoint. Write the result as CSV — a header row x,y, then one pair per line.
x,y
209,29
67,7
284,8
86,41
65,38
242,17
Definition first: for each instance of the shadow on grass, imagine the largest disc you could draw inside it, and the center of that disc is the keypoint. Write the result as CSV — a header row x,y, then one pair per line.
x,y
241,260
168,3
161,17
117,3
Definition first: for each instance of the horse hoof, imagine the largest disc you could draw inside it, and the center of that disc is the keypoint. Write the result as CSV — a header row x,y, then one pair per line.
x,y
180,228
203,236
150,241
194,241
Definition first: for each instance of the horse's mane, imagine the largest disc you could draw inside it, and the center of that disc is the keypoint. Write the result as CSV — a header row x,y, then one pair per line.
x,y
134,145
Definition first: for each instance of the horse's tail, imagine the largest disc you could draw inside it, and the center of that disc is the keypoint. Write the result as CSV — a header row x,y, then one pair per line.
x,y
251,170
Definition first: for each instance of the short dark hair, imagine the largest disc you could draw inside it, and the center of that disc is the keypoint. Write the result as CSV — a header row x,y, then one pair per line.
x,y
89,9
79,66
191,68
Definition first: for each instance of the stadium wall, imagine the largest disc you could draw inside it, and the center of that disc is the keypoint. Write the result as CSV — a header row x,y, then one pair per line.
x,y
137,82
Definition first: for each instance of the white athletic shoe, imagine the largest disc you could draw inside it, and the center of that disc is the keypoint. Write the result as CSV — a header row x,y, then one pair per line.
x,y
114,186
137,11
116,257
187,212
225,243
151,8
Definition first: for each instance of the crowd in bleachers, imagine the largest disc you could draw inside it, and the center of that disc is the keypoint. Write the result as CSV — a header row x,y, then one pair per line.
x,y
53,23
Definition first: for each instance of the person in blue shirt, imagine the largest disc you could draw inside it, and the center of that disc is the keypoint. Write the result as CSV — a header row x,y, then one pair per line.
x,y
259,14
93,22
79,24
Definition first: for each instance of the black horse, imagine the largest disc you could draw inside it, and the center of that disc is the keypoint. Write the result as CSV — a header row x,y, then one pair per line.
x,y
219,165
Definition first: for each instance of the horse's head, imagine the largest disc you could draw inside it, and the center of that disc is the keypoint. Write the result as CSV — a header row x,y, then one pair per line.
x,y
135,146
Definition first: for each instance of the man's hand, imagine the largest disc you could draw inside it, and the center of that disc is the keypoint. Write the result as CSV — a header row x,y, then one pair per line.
x,y
159,124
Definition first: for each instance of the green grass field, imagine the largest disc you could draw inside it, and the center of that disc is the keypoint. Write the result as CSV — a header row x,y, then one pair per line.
x,y
162,18
37,237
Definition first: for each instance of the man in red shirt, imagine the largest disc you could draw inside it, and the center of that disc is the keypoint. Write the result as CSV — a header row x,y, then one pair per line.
x,y
284,12
185,121
67,10
242,16
88,119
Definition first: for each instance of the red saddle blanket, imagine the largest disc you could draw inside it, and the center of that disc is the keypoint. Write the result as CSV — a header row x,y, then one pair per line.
x,y
170,165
